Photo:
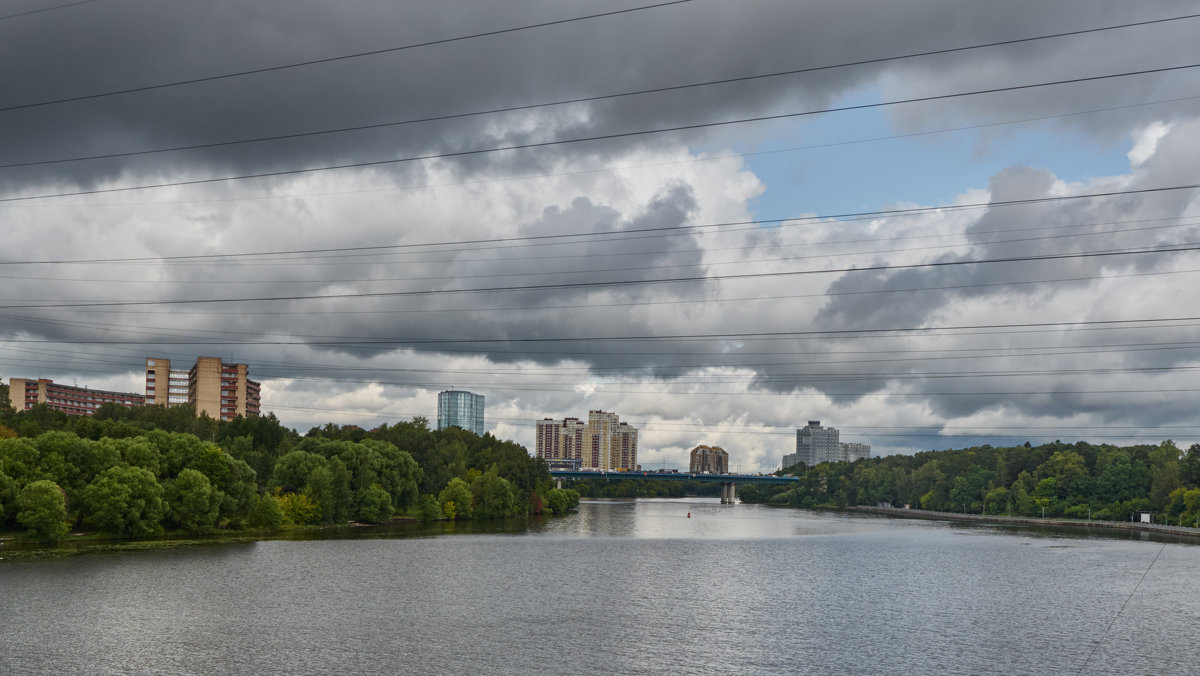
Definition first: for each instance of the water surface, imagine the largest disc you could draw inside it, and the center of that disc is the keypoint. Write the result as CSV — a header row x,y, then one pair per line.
x,y
620,587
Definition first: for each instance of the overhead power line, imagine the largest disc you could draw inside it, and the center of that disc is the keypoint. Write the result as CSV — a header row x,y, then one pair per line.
x,y
447,274
614,168
588,99
612,283
1149,321
610,233
343,57
586,139
46,9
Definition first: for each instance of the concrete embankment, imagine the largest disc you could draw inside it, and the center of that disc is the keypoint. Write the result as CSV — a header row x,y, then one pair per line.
x,y
1176,531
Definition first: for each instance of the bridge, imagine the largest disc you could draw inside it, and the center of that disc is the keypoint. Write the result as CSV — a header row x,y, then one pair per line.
x,y
727,481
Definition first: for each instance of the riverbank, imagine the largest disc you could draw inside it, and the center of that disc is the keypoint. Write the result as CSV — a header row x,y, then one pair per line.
x,y
1175,531
14,548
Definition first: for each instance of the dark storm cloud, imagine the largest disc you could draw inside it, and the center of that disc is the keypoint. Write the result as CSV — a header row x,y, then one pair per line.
x,y
109,46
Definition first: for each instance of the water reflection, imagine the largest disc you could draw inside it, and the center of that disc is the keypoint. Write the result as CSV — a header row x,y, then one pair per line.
x,y
623,586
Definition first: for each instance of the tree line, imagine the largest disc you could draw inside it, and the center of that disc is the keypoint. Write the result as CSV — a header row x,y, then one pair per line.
x,y
1080,480
135,472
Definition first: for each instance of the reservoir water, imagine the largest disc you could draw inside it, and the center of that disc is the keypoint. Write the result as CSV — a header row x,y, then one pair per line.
x,y
621,587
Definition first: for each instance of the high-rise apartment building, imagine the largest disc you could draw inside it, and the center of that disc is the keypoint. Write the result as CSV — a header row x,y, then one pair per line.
x,y
459,408
853,451
708,460
603,442
816,444
25,393
560,442
221,390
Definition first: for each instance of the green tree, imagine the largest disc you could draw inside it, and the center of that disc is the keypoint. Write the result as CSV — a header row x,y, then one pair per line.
x,y
20,460
374,505
42,508
1069,471
137,452
298,508
265,513
556,501
8,500
493,496
192,502
1164,474
430,510
329,487
1190,466
293,469
126,501
456,500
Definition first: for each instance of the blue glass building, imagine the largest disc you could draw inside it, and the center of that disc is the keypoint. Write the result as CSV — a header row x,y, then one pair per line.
x,y
458,408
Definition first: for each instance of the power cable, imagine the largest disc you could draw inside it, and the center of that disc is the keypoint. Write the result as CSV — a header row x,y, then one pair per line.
x,y
586,139
822,357
609,169
612,283
792,220
1120,610
637,268
587,99
344,57
46,9
584,306
970,329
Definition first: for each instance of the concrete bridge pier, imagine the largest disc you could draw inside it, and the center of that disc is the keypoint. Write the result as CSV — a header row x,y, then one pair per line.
x,y
728,494
558,482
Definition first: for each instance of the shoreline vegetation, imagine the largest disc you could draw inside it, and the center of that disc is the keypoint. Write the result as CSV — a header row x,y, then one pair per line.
x,y
1075,483
155,473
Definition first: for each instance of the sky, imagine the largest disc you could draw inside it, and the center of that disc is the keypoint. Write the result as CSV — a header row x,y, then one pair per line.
x,y
719,220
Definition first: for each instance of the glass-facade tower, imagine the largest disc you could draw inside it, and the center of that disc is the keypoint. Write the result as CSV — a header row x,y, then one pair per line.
x,y
458,408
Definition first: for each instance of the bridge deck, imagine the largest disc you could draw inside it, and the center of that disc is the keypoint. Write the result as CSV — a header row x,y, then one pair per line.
x,y
673,476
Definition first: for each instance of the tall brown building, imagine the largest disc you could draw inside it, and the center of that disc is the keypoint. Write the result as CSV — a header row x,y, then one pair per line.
x,y
24,394
221,390
710,459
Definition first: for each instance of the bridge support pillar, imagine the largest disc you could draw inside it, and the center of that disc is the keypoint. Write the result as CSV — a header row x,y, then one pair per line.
x,y
728,496
558,482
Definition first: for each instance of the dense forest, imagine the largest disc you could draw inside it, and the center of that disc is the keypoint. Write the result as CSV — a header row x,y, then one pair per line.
x,y
132,472
1079,480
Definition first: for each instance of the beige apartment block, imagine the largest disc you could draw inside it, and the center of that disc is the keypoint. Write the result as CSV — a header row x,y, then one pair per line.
x,y
223,391
25,393
603,442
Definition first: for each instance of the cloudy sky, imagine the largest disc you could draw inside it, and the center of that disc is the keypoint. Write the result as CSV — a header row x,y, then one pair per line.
x,y
718,219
